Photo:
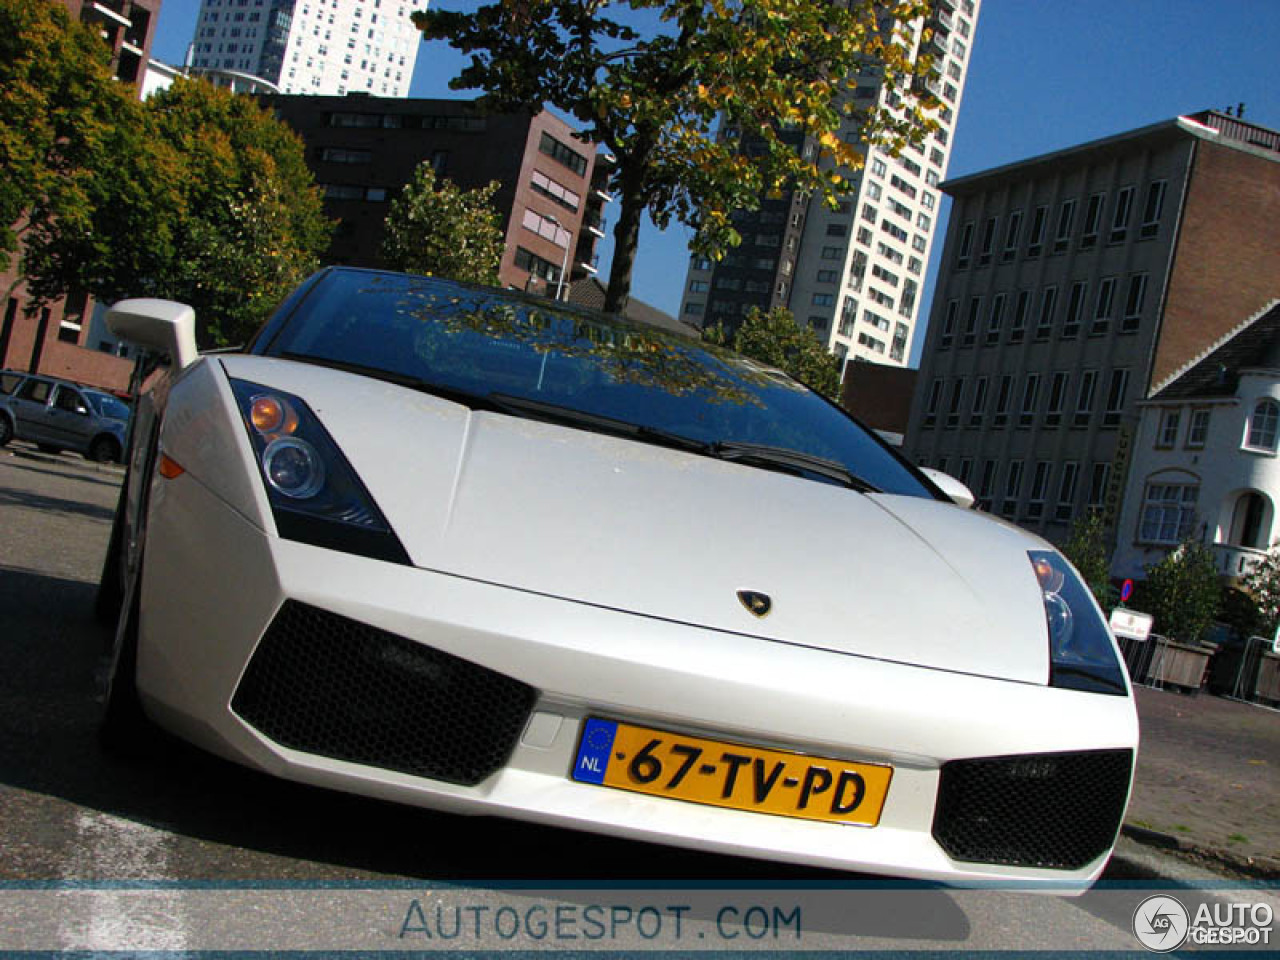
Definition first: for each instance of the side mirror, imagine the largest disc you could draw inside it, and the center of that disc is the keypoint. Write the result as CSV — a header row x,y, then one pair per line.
x,y
953,488
159,325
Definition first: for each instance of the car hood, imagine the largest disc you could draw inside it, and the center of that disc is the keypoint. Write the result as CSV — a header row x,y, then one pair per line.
x,y
663,533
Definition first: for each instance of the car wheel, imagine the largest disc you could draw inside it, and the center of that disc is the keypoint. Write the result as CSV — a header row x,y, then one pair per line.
x,y
6,431
104,450
110,598
124,728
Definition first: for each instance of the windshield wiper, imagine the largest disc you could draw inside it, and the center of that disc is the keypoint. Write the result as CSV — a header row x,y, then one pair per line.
x,y
476,401
572,416
791,461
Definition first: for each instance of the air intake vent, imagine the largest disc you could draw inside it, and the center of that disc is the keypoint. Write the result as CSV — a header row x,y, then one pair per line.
x,y
327,685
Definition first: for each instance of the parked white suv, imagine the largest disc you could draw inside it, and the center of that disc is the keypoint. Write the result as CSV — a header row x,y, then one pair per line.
x,y
58,415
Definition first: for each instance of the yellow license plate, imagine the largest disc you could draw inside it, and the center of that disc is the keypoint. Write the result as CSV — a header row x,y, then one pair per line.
x,y
732,775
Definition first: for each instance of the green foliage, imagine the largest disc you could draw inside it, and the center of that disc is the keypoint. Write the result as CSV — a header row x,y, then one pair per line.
x,y
438,229
1086,548
1182,592
776,339
773,73
197,195
1263,586
73,144
251,225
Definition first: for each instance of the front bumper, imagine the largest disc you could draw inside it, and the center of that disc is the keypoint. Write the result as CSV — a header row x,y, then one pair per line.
x,y
200,627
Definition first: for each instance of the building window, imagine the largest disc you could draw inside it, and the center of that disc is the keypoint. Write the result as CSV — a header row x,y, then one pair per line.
x,y
995,320
1102,309
1120,217
562,154
1262,426
1011,237
988,241
1066,492
823,300
1039,488
1133,303
1030,391
979,406
966,246
340,155
1168,512
546,227
833,253
1092,220
1018,328
1003,396
1066,216
699,286
1152,209
1115,398
1048,303
1035,242
931,407
561,194
953,407
1084,398
532,263
1057,398
1012,488
949,324
1075,309
828,276
971,322
1167,435
693,308
1099,479
1198,428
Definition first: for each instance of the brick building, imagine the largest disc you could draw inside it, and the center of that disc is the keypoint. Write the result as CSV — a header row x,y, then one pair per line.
x,y
54,339
363,150
1073,282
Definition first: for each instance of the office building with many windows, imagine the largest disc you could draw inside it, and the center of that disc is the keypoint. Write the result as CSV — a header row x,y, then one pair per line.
x,y
318,47
853,274
1073,283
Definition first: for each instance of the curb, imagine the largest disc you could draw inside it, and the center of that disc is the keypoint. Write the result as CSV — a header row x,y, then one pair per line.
x,y
1258,868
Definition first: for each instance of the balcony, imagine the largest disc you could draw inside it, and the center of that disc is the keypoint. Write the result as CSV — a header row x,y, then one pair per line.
x,y
1236,561
112,10
595,224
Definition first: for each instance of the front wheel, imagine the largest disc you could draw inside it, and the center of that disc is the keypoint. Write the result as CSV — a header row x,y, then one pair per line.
x,y
104,449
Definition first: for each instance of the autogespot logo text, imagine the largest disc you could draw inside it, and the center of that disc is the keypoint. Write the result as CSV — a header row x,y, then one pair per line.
x,y
1161,923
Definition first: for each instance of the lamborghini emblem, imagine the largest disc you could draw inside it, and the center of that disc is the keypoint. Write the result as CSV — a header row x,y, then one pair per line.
x,y
758,604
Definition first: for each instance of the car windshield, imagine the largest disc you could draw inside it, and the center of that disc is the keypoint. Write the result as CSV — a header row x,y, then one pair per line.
x,y
536,358
108,406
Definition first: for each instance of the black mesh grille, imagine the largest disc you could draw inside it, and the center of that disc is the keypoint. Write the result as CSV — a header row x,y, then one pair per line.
x,y
324,684
1057,810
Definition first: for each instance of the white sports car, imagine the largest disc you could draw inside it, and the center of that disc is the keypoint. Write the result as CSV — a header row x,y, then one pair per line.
x,y
486,553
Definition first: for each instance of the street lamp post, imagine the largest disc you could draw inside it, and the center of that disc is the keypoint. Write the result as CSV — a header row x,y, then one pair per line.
x,y
564,265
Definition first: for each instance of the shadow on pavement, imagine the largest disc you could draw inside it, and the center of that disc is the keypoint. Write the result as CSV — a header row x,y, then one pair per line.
x,y
37,501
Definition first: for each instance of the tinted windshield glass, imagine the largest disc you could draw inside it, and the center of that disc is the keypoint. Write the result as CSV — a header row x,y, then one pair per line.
x,y
480,342
108,406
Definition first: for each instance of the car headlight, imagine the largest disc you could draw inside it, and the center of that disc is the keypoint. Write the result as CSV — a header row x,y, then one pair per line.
x,y
1081,653
314,493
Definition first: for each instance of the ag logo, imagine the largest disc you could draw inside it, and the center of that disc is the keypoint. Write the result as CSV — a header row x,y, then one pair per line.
x,y
1160,923
758,604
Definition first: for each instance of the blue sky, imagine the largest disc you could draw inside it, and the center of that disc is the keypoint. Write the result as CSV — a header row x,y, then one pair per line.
x,y
1045,74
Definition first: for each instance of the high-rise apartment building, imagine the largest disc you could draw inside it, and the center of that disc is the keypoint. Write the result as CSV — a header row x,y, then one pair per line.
x,y
1073,284
853,274
321,47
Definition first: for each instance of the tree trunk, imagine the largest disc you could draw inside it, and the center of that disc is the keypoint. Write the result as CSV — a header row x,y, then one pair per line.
x,y
626,238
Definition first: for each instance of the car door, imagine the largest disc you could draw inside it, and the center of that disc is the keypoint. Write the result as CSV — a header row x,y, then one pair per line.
x,y
70,418
30,415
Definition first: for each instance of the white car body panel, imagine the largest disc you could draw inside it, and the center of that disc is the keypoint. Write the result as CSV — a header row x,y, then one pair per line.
x,y
669,534
604,573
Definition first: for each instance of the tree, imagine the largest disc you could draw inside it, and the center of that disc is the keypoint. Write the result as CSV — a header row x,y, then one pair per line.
x,y
1086,548
1183,591
251,224
81,181
715,106
776,339
438,229
1263,584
